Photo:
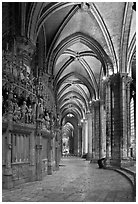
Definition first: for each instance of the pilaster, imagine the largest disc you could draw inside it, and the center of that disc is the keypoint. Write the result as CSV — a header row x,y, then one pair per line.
x,y
32,157
89,117
95,130
49,148
128,116
115,121
8,183
57,149
108,121
79,140
125,81
38,150
102,139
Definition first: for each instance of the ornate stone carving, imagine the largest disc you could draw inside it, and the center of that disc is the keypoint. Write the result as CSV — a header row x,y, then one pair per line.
x,y
85,6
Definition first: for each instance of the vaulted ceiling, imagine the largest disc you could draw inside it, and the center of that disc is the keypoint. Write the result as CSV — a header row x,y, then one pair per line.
x,y
83,42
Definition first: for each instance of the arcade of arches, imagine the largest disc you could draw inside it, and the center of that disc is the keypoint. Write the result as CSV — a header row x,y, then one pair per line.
x,y
68,85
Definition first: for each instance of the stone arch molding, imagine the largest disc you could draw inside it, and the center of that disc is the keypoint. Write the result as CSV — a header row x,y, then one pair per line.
x,y
37,19
86,40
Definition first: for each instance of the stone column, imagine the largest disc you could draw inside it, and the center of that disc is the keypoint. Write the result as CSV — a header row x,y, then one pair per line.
x,y
38,150
86,136
108,122
89,117
115,120
128,117
97,129
79,140
49,148
123,107
93,130
57,149
32,157
102,139
75,140
83,138
8,183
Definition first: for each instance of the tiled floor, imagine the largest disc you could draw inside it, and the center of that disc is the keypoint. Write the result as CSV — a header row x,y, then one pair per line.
x,y
76,181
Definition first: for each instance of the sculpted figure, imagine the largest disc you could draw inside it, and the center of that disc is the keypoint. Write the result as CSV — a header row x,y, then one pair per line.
x,y
16,113
33,113
29,114
24,110
40,109
47,118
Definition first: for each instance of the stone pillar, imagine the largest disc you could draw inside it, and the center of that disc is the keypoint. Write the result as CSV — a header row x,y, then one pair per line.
x,y
128,117
123,111
32,157
75,140
93,131
97,129
115,120
57,149
108,122
83,138
49,148
89,117
38,150
8,183
79,140
86,136
102,139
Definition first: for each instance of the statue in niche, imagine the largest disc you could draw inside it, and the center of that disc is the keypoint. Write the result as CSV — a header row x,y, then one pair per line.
x,y
33,112
40,111
16,113
24,110
47,119
29,114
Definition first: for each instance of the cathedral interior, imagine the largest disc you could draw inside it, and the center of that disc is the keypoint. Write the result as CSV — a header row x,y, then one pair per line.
x,y
68,86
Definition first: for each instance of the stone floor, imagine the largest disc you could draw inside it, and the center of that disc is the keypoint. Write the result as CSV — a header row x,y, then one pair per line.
x,y
76,181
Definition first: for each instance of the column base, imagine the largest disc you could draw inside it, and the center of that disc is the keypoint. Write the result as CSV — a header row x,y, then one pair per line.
x,y
89,156
84,156
92,160
32,173
127,162
39,173
115,162
7,179
49,168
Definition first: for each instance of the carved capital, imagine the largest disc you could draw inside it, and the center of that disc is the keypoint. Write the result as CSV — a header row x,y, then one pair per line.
x,y
85,6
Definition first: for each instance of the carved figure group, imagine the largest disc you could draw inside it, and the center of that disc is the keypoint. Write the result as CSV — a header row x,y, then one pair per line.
x,y
24,113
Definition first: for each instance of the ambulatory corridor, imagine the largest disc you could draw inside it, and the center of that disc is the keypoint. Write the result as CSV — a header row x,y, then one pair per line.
x,y
77,180
68,101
